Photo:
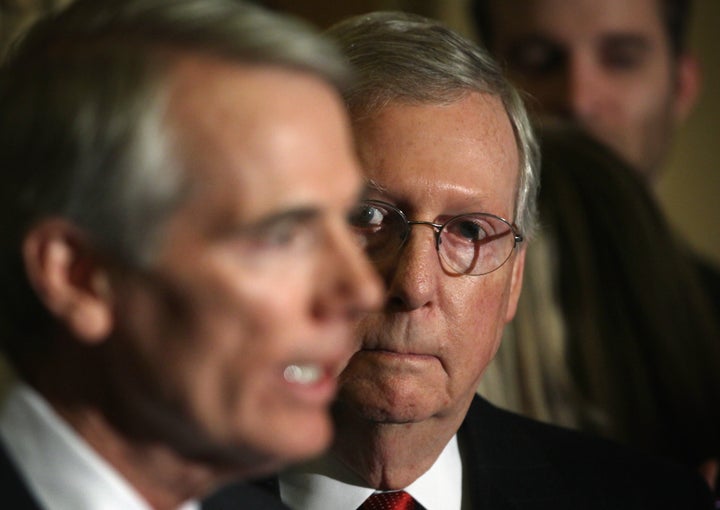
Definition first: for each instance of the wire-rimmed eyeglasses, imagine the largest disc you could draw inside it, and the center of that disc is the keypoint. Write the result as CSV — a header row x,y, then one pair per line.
x,y
467,244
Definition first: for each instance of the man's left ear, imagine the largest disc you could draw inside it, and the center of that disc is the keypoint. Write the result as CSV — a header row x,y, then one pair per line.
x,y
69,278
516,282
688,82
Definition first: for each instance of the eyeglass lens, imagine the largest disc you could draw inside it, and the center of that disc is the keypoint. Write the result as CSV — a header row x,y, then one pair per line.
x,y
471,244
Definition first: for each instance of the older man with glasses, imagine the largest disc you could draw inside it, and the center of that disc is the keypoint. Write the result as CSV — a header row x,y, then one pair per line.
x,y
450,163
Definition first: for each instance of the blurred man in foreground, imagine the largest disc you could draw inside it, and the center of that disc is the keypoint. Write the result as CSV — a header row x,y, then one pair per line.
x,y
179,279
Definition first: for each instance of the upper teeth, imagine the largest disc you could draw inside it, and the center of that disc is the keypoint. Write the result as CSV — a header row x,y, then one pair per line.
x,y
302,374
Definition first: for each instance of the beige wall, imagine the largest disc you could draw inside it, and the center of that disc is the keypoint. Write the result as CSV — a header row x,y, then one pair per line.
x,y
690,188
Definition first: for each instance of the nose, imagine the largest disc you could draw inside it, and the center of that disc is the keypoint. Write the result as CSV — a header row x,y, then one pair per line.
x,y
348,282
411,278
582,89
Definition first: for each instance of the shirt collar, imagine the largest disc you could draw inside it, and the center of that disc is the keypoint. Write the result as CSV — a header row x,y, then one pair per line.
x,y
327,484
62,470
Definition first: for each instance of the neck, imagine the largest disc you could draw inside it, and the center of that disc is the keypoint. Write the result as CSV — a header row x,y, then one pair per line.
x,y
160,476
80,394
390,456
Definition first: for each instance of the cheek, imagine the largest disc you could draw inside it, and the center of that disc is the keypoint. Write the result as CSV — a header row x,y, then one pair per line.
x,y
229,370
267,306
206,353
477,328
481,305
647,105
205,337
637,98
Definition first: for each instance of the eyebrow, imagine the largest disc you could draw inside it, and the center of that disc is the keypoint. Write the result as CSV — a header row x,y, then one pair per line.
x,y
545,38
468,200
372,185
295,215
626,39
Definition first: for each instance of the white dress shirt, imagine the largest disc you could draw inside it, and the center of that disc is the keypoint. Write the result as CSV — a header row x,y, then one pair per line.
x,y
61,469
328,485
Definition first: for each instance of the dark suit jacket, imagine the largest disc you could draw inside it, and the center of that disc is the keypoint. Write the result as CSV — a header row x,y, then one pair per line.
x,y
512,462
13,487
709,277
17,495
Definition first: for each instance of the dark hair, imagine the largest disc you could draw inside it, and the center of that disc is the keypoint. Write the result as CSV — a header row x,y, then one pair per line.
x,y
634,343
16,16
675,15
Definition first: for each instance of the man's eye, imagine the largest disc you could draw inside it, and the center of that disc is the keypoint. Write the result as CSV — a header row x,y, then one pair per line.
x,y
625,52
367,216
623,59
287,234
535,57
280,235
470,230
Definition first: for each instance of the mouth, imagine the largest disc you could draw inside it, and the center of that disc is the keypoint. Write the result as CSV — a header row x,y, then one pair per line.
x,y
381,364
313,384
410,356
312,377
303,374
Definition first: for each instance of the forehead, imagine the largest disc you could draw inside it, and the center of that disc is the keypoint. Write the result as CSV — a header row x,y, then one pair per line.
x,y
457,156
570,21
259,138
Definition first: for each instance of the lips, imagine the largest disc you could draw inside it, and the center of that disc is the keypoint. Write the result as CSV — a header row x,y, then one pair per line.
x,y
398,353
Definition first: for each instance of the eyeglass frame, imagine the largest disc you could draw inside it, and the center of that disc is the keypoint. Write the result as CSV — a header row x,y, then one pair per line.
x,y
438,229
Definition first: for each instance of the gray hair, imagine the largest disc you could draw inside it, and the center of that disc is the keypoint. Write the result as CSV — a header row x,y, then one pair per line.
x,y
82,130
411,59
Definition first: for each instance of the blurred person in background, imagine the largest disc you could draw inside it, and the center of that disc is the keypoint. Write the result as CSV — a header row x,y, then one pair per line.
x,y
16,16
613,334
619,69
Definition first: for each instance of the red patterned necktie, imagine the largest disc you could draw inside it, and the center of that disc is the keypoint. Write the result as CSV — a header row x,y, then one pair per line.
x,y
397,500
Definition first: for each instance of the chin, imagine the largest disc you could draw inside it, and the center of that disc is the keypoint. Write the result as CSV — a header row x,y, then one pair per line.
x,y
388,407
301,438
261,447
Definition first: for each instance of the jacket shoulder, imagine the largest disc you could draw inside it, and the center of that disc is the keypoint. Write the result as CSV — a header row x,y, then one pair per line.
x,y
13,486
243,495
529,460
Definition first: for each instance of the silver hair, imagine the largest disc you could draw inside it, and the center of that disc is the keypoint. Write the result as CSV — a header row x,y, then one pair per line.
x,y
411,59
83,134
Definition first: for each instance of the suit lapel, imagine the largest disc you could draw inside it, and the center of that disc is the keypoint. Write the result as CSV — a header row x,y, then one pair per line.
x,y
263,495
13,487
505,467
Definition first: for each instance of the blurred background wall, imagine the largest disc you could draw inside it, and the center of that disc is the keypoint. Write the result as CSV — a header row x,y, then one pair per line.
x,y
690,188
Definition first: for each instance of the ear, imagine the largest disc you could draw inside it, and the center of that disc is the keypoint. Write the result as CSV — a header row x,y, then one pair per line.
x,y
69,279
516,283
688,82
